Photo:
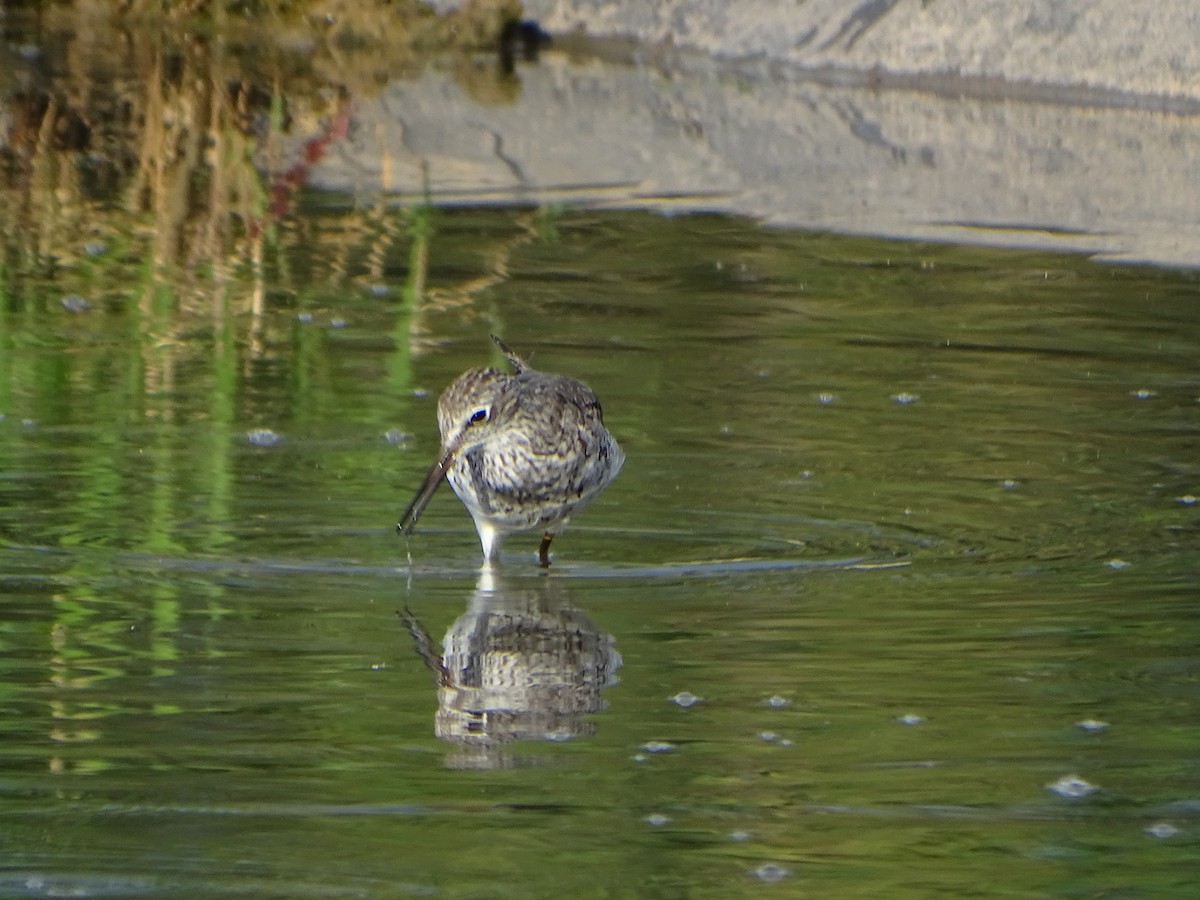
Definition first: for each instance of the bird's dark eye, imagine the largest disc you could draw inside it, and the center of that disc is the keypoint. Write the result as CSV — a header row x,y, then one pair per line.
x,y
480,415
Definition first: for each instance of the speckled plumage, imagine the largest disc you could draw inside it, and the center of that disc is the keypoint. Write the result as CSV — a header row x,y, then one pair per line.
x,y
522,451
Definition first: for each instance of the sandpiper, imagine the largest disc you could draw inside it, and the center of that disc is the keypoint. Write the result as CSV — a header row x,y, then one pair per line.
x,y
522,452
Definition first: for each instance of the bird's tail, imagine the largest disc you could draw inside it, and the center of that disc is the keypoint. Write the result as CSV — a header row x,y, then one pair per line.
x,y
517,363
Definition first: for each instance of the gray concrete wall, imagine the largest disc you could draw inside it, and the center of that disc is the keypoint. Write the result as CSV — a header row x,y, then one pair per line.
x,y
1092,146
1145,47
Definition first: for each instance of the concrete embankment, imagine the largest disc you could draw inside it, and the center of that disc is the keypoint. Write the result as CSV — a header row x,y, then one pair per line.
x,y
1061,124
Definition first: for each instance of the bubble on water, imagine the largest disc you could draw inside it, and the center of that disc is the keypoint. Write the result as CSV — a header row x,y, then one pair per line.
x,y
770,873
1009,484
905,397
1162,830
685,699
559,735
28,423
1116,564
826,398
94,248
337,322
740,836
378,290
786,742
1091,725
658,746
304,318
658,820
1143,394
1188,500
396,437
1072,786
767,736
420,393
74,303
263,437
775,701
910,719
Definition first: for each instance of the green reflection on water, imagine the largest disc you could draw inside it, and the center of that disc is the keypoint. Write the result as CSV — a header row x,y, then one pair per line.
x,y
201,651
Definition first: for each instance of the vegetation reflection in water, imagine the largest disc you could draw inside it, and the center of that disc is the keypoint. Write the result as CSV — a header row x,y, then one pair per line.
x,y
205,687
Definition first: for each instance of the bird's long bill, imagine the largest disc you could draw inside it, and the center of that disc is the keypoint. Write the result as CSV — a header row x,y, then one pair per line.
x,y
437,474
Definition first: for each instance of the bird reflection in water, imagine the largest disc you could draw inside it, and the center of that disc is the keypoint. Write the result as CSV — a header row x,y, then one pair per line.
x,y
521,664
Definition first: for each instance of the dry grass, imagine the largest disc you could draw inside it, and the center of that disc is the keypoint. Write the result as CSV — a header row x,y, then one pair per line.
x,y
176,134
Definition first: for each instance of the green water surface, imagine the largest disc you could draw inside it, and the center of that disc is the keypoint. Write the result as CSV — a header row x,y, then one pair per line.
x,y
905,549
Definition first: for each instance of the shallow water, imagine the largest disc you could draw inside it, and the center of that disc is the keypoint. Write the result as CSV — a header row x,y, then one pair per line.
x,y
904,556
